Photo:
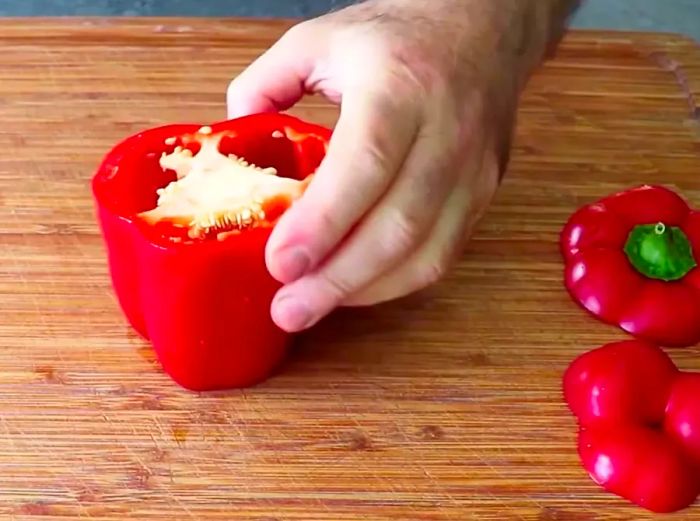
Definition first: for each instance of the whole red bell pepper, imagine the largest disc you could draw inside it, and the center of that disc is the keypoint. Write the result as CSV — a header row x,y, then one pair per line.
x,y
639,421
185,212
631,260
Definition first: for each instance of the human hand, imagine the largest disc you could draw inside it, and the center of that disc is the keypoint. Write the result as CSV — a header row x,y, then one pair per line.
x,y
428,95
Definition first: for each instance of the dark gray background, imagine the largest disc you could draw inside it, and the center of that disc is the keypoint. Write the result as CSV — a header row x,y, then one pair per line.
x,y
681,16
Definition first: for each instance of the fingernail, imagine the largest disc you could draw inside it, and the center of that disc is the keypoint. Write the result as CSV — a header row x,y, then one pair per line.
x,y
293,263
291,314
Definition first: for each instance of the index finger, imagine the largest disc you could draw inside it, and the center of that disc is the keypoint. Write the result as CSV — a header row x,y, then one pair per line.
x,y
369,145
276,80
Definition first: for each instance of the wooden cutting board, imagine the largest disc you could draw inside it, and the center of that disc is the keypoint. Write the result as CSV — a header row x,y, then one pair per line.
x,y
444,406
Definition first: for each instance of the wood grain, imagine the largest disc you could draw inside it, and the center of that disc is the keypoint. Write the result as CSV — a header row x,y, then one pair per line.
x,y
444,406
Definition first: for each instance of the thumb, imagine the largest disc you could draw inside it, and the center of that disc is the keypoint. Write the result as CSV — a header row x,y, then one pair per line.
x,y
277,79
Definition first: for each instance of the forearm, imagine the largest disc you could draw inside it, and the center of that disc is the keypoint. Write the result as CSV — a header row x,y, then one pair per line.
x,y
521,31
543,24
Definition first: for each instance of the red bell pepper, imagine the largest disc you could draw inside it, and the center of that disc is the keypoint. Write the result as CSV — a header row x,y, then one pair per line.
x,y
185,217
631,260
639,421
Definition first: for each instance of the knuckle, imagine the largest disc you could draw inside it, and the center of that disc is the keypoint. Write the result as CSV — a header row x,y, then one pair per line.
x,y
232,88
295,33
405,231
385,107
373,159
328,220
430,179
417,73
384,134
336,286
402,85
424,80
433,272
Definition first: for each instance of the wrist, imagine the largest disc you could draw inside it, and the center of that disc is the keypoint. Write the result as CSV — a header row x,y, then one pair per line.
x,y
518,31
522,31
543,23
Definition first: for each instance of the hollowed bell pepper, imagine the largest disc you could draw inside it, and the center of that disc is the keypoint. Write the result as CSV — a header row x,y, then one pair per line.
x,y
631,260
639,421
185,212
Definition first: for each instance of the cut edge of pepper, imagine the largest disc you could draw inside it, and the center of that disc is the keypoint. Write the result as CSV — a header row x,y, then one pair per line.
x,y
196,200
279,125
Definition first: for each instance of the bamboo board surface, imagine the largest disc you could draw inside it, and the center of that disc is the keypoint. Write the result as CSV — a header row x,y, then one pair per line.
x,y
443,406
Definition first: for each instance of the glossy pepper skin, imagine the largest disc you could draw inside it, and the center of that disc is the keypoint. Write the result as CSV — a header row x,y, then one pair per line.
x,y
204,305
631,260
639,423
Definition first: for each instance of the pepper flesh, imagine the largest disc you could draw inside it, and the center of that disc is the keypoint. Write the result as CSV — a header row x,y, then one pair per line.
x,y
630,260
639,423
215,194
202,299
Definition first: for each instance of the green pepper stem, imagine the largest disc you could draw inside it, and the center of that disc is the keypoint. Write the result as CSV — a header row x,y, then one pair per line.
x,y
659,251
